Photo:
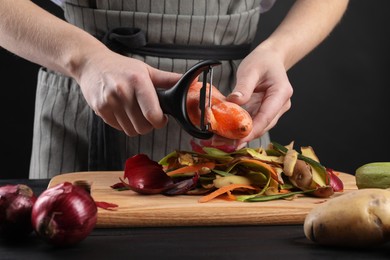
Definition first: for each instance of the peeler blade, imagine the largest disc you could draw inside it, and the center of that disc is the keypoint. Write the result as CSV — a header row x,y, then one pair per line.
x,y
205,97
173,100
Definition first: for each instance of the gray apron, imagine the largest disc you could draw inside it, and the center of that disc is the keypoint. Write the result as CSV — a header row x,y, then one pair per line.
x,y
67,135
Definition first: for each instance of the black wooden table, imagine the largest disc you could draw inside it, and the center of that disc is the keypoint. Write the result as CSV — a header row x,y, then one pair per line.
x,y
220,242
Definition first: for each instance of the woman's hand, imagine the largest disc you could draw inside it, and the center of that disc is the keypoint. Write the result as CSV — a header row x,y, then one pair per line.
x,y
122,92
119,89
263,89
262,82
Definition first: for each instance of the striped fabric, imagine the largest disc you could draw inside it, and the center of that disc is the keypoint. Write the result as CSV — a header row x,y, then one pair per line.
x,y
62,117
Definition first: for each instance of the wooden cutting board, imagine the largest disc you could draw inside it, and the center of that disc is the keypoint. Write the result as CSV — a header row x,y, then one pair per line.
x,y
137,210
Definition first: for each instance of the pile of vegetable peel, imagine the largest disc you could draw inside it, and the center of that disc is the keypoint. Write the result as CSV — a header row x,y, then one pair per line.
x,y
246,175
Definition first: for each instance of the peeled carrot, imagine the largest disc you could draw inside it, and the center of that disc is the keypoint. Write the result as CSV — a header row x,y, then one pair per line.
x,y
191,168
223,190
226,119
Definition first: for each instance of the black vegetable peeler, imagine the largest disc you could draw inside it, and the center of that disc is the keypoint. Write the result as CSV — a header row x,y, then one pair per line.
x,y
173,100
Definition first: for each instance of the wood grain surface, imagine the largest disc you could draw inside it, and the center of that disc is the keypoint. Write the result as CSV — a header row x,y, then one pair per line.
x,y
136,210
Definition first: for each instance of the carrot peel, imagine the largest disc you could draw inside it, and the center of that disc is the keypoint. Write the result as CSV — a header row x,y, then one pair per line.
x,y
225,189
192,168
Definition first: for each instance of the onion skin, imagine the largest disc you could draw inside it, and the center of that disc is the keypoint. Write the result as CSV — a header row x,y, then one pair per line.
x,y
335,181
64,215
16,203
198,146
146,176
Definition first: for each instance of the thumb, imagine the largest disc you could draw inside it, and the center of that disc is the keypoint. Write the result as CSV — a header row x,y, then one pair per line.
x,y
163,79
243,90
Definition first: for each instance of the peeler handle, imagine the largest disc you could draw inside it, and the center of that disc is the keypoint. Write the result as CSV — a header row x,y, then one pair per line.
x,y
173,100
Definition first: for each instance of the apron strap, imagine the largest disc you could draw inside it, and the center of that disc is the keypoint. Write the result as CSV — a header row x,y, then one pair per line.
x,y
92,4
133,40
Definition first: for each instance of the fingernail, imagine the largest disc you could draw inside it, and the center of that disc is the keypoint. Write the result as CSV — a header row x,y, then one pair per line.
x,y
236,94
240,146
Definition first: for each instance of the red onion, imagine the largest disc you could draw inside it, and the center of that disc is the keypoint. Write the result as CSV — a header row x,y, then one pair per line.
x,y
64,214
145,175
16,203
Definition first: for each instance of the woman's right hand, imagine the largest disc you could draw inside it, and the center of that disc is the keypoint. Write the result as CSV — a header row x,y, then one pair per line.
x,y
122,91
119,89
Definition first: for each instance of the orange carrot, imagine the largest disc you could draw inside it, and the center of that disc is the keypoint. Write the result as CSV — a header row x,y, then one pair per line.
x,y
192,168
223,190
230,195
225,118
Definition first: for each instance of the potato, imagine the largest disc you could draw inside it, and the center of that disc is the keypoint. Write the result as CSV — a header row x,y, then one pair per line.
x,y
358,218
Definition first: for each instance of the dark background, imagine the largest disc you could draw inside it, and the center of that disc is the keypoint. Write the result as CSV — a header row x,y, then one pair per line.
x,y
340,105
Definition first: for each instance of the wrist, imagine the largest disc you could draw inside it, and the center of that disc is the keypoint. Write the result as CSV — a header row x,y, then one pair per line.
x,y
275,50
81,55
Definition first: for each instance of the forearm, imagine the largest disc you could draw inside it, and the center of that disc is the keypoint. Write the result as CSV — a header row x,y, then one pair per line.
x,y
40,37
306,25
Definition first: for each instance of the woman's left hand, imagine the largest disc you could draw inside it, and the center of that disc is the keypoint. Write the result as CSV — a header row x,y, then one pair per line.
x,y
263,89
